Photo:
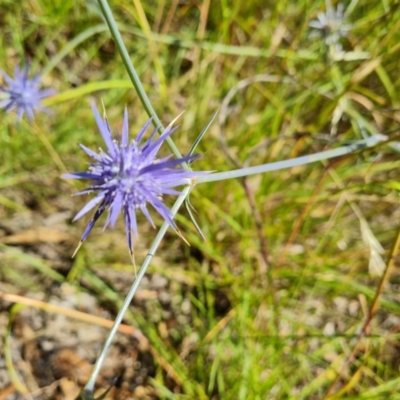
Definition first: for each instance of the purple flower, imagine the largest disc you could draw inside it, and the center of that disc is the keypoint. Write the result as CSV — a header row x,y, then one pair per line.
x,y
22,93
128,176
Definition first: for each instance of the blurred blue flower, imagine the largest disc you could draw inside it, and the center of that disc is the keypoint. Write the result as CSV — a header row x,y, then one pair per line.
x,y
22,93
128,176
331,25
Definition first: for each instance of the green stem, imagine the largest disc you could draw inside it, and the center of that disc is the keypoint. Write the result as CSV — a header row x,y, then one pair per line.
x,y
105,8
89,387
294,162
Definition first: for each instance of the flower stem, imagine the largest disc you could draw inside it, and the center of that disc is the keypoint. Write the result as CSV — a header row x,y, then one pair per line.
x,y
294,162
105,8
88,389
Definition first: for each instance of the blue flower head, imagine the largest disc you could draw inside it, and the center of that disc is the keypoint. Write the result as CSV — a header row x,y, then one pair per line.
x,y
22,93
128,176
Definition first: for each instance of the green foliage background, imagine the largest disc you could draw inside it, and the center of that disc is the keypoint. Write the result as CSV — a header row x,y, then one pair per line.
x,y
280,329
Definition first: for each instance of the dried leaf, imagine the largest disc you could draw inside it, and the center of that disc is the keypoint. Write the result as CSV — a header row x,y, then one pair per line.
x,y
37,235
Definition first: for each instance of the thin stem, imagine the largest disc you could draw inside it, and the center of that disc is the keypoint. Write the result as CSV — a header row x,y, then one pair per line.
x,y
294,162
88,389
105,8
